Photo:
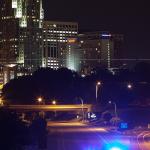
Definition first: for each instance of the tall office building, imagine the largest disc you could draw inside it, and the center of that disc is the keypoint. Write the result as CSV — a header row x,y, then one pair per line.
x,y
74,55
21,33
55,36
101,49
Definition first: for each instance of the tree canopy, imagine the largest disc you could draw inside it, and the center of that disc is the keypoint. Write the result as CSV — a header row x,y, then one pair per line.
x,y
67,86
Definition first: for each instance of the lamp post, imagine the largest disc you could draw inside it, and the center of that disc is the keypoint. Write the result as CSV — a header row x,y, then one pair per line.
x,y
97,86
54,103
115,107
1,102
82,103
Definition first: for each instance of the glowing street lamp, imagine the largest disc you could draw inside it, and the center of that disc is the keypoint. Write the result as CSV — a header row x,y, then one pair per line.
x,y
40,100
129,86
97,86
54,102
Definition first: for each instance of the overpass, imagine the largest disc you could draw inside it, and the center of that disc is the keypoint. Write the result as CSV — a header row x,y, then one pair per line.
x,y
85,107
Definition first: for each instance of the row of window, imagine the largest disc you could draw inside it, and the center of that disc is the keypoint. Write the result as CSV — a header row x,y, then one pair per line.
x,y
61,26
50,52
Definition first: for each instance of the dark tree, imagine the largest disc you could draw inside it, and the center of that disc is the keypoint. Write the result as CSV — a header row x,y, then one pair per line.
x,y
13,132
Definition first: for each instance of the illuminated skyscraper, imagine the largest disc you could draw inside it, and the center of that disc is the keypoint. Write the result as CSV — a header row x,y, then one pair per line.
x,y
55,36
74,55
21,33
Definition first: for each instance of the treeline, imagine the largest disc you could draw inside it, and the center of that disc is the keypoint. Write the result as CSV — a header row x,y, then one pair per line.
x,y
68,87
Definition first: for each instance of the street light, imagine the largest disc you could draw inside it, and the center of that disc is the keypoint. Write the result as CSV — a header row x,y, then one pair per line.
x,y
97,86
115,106
129,86
40,100
54,102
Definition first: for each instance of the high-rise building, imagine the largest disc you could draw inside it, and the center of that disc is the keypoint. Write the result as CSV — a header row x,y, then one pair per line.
x,y
55,36
74,55
21,33
101,49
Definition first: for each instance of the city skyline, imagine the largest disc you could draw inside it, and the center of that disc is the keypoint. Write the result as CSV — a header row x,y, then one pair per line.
x,y
28,42
128,18
100,17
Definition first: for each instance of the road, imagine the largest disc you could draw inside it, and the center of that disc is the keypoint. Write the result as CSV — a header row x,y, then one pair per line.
x,y
79,136
75,135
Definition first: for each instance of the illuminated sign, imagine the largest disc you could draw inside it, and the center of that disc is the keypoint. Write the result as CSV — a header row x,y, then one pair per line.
x,y
71,40
124,125
106,35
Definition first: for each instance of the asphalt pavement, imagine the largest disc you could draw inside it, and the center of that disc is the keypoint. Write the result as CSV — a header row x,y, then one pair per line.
x,y
79,136
74,135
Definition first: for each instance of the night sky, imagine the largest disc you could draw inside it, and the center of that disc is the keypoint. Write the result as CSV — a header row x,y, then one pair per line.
x,y
131,18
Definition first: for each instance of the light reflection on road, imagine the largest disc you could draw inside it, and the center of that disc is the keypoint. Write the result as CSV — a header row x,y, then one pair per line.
x,y
82,137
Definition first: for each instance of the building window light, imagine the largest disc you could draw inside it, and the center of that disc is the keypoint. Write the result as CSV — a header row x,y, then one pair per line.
x,y
54,25
14,3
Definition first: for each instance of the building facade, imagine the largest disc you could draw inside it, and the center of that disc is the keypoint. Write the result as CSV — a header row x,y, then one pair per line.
x,y
101,49
21,33
55,36
74,55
